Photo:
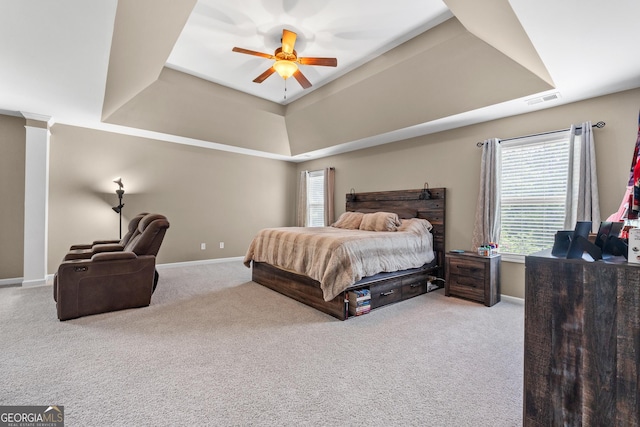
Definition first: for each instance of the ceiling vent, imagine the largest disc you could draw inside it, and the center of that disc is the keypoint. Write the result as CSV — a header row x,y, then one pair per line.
x,y
544,98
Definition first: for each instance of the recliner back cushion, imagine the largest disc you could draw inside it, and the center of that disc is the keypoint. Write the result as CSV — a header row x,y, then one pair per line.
x,y
151,231
133,229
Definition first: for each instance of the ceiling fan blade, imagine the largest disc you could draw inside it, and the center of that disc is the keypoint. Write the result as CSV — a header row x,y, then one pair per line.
x,y
302,79
252,52
262,77
327,62
288,41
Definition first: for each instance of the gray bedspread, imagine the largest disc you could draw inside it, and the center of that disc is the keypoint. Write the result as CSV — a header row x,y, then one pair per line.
x,y
337,258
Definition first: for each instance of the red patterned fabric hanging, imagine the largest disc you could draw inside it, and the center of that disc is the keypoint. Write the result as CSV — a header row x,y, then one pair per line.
x,y
634,180
630,204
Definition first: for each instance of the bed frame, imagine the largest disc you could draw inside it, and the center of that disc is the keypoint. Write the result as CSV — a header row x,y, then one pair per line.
x,y
386,288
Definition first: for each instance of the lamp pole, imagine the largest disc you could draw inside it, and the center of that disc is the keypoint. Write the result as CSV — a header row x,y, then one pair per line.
x,y
120,193
118,209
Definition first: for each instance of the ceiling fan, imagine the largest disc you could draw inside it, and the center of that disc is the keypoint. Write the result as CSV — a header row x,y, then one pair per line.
x,y
287,61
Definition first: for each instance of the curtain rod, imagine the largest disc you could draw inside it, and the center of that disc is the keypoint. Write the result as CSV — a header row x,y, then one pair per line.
x,y
598,125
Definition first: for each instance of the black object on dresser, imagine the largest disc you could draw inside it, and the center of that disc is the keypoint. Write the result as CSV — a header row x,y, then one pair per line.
x,y
472,276
582,342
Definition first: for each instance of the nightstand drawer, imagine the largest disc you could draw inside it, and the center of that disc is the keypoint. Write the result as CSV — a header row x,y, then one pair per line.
x,y
468,281
466,288
464,268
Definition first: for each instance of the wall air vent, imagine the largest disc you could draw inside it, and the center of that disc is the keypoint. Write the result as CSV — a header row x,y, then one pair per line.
x,y
544,98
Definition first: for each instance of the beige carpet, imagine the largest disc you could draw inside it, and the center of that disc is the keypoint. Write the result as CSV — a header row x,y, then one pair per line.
x,y
216,349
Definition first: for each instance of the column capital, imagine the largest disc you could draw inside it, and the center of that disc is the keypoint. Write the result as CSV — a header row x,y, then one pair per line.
x,y
38,118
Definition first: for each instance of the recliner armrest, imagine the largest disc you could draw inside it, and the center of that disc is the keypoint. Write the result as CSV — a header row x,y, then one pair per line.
x,y
88,253
110,256
90,245
78,254
80,246
107,247
104,242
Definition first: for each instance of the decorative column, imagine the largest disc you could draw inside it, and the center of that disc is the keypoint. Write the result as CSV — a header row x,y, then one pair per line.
x,y
36,199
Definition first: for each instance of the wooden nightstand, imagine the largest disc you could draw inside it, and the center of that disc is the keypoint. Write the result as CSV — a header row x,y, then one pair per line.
x,y
471,276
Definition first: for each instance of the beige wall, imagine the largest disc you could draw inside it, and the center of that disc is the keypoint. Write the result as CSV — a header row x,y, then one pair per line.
x,y
12,157
208,196
451,159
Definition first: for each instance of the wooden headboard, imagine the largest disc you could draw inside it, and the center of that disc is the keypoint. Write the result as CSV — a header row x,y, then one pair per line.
x,y
408,203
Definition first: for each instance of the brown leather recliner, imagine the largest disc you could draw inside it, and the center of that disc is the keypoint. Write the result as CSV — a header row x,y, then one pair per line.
x,y
115,280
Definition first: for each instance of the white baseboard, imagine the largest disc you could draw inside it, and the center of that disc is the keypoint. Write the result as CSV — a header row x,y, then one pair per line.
x,y
36,282
18,281
11,282
199,262
514,300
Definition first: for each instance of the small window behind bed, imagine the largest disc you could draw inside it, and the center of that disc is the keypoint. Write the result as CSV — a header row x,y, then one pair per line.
x,y
315,199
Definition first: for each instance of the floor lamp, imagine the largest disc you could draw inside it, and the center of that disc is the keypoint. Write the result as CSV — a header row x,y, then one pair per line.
x,y
118,209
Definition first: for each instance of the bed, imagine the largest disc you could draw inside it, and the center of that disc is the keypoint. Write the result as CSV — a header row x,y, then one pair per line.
x,y
310,265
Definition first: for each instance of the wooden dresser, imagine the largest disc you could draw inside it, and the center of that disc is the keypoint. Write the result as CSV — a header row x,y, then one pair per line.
x,y
471,276
582,342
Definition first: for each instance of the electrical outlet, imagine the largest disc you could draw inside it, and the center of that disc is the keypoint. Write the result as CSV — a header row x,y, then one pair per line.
x,y
203,246
221,245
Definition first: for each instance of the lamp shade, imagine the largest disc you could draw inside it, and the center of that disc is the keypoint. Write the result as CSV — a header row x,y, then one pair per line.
x,y
285,68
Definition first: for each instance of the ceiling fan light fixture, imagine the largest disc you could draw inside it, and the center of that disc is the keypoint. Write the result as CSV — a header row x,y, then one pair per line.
x,y
286,61
285,68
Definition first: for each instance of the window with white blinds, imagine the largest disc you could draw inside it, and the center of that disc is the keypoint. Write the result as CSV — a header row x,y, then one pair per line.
x,y
532,191
315,199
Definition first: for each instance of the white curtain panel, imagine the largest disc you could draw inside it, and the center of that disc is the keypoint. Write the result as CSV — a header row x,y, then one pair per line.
x,y
301,211
329,184
486,227
582,203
